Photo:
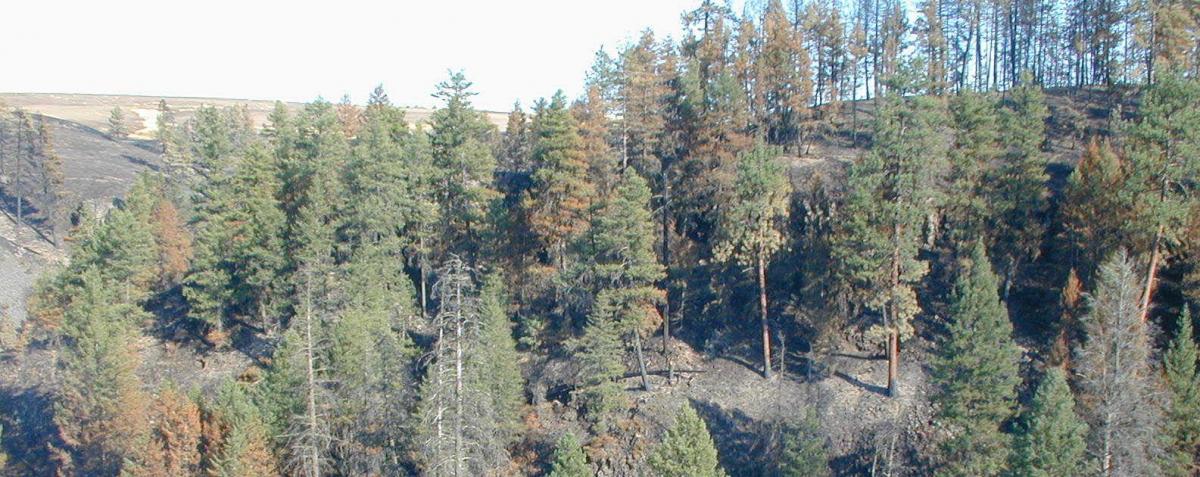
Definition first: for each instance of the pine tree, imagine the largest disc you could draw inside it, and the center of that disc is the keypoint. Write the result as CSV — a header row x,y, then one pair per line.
x,y
750,233
460,138
1117,376
976,145
892,192
236,439
599,359
686,450
1162,147
1050,435
975,372
569,459
784,81
461,432
368,361
172,446
560,194
1095,209
622,268
1183,414
100,408
496,370
1018,200
803,451
239,256
118,126
166,130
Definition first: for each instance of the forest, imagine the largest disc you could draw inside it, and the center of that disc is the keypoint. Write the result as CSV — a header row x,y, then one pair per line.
x,y
992,202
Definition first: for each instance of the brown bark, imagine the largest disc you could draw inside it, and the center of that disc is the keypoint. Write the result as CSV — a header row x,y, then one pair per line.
x,y
1151,271
762,302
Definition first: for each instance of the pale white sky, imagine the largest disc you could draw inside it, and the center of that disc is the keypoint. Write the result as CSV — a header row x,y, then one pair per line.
x,y
297,50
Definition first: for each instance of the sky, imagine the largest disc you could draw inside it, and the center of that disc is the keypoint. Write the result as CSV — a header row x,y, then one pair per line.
x,y
299,50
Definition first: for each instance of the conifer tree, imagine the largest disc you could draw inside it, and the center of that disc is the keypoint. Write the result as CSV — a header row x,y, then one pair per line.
x,y
891,193
460,138
172,446
1050,435
1018,200
750,232
1117,376
100,409
560,193
569,459
976,145
461,431
239,258
496,370
686,450
166,129
236,439
118,126
368,362
623,268
784,82
975,372
1163,147
599,359
1183,413
803,451
1095,210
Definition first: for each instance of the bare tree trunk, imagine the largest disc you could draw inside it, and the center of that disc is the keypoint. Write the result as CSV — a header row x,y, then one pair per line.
x,y
1151,271
311,411
458,384
424,277
637,343
762,303
893,357
666,259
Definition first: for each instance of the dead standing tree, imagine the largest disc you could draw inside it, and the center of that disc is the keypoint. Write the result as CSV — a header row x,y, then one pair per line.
x,y
459,422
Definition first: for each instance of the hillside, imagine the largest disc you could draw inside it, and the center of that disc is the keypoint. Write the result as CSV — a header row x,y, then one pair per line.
x,y
717,375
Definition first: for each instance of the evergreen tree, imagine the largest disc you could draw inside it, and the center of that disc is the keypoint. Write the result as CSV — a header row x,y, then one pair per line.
x,y
172,446
891,193
462,433
686,450
100,408
1050,436
1018,200
118,125
236,439
1117,376
750,232
569,459
599,359
1183,414
560,193
1095,209
803,451
239,255
622,267
784,82
976,145
975,372
496,369
1163,146
460,138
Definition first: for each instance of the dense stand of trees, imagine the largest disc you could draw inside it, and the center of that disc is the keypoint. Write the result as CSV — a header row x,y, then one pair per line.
x,y
405,276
